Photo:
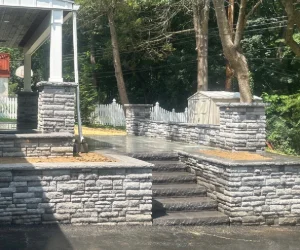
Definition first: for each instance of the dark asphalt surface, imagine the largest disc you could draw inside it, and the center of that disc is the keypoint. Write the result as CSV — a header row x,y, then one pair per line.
x,y
148,238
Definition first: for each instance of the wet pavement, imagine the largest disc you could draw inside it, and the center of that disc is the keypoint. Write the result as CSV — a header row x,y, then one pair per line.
x,y
123,144
148,238
138,144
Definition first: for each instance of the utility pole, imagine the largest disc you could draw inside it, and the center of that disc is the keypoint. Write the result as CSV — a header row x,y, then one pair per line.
x,y
229,71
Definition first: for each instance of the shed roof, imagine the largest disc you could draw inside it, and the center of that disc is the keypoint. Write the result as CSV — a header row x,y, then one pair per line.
x,y
220,95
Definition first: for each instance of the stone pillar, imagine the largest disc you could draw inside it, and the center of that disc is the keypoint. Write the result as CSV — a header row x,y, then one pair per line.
x,y
137,118
27,110
57,19
242,126
56,107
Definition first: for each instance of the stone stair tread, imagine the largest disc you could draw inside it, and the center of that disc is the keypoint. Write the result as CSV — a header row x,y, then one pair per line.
x,y
183,204
173,177
162,156
184,200
158,174
168,166
178,190
190,218
179,186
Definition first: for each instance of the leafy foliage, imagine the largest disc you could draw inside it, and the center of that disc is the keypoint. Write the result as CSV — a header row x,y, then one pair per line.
x,y
283,120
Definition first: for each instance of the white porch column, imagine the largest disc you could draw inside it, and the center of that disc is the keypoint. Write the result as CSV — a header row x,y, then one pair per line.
x,y
27,73
56,46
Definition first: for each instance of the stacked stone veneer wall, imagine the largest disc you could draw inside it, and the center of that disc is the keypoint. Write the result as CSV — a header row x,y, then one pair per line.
x,y
36,145
242,127
27,116
56,107
77,195
251,193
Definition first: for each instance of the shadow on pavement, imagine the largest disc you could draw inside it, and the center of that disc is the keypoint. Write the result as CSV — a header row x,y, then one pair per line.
x,y
33,238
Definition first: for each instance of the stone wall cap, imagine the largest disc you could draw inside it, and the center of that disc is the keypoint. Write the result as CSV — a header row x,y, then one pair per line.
x,y
57,84
27,93
122,162
277,160
137,105
241,105
37,135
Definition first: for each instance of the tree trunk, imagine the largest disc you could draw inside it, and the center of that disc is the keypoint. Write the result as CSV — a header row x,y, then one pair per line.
x,y
232,50
200,18
116,58
293,19
93,61
229,71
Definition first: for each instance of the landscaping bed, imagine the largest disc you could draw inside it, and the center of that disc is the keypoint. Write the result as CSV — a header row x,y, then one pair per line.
x,y
81,157
239,156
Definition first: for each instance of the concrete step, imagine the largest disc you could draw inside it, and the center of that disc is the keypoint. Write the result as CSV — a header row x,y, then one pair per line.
x,y
168,166
173,177
208,218
163,156
183,204
178,190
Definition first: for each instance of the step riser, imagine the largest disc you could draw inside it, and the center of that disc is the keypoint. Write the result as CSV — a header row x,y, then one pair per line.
x,y
182,207
165,168
178,193
155,157
192,222
171,180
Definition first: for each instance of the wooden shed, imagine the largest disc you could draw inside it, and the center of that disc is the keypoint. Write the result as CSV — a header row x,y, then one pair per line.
x,y
203,109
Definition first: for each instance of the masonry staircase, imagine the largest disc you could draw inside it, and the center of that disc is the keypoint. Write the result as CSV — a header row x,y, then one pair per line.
x,y
177,198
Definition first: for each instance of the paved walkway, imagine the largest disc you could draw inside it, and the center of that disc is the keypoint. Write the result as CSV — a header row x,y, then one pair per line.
x,y
138,144
148,238
123,144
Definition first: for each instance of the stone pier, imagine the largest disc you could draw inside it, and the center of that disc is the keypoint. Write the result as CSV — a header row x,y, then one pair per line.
x,y
27,110
56,107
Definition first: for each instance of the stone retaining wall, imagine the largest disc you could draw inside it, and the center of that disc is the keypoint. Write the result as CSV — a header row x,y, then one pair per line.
x,y
89,193
255,193
185,132
242,127
36,145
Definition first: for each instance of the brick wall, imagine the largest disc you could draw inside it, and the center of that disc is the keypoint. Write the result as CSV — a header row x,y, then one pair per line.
x,y
77,195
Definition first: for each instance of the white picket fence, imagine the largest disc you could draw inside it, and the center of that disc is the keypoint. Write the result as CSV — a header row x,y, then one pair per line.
x,y
8,107
160,114
113,114
109,114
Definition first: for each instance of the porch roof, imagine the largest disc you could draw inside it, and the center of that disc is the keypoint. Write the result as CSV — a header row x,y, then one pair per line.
x,y
25,23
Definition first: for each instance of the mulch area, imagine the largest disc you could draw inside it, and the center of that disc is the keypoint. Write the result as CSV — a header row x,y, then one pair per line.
x,y
82,157
239,156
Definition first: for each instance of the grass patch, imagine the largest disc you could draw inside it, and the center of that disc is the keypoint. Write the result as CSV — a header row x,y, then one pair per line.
x,y
2,119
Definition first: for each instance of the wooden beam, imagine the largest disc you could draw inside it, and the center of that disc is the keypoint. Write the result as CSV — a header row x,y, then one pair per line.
x,y
41,34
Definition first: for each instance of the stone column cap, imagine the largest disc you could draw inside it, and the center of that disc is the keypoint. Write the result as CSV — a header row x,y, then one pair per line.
x,y
137,105
57,84
241,105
